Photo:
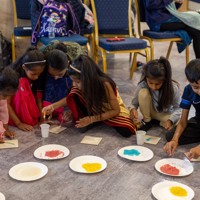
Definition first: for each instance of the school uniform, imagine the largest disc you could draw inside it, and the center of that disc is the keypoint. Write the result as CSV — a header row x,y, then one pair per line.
x,y
191,134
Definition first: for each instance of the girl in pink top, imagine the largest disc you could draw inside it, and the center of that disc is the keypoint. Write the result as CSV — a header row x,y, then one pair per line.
x,y
8,86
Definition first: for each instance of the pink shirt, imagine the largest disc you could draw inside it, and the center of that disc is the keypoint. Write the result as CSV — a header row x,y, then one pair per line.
x,y
4,116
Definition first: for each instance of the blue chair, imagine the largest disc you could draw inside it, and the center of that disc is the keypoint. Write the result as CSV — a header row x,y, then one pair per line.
x,y
21,10
36,8
113,16
152,36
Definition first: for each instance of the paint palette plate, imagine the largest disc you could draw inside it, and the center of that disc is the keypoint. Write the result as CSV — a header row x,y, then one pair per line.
x,y
136,153
88,164
174,167
2,197
51,152
171,190
28,171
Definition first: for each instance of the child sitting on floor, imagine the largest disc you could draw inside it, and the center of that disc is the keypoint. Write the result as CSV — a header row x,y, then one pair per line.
x,y
157,96
187,131
57,83
24,107
8,86
95,98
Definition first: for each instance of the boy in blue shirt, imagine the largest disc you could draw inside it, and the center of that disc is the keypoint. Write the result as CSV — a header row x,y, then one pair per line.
x,y
187,131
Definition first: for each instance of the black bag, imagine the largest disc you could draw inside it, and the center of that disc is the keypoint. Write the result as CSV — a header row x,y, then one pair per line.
x,y
5,51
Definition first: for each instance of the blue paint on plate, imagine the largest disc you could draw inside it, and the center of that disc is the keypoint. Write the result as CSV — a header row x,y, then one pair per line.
x,y
131,152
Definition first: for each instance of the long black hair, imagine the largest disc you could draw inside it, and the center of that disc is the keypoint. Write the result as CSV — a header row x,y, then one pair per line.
x,y
92,82
9,80
161,69
57,59
31,58
192,71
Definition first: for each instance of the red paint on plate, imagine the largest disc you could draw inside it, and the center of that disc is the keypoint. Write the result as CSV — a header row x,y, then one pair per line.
x,y
168,169
54,153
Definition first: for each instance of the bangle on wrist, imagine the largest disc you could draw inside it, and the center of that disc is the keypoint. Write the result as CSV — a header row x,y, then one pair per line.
x,y
17,124
174,141
91,120
52,108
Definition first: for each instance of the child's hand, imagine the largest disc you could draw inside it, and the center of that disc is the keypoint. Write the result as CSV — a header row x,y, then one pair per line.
x,y
83,122
194,153
168,125
133,114
67,116
9,134
2,140
25,127
170,147
47,110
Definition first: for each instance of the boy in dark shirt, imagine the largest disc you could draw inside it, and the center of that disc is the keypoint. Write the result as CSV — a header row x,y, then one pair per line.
x,y
187,131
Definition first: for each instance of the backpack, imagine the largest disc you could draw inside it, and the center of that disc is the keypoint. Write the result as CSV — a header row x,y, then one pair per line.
x,y
5,51
57,17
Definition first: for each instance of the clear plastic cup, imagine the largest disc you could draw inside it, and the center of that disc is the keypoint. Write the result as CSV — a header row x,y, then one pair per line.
x,y
45,130
140,137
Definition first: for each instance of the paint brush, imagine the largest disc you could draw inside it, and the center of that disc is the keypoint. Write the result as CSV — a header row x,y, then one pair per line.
x,y
61,122
10,143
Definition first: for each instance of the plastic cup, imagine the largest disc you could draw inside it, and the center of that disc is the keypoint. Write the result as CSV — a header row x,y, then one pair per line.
x,y
140,137
45,130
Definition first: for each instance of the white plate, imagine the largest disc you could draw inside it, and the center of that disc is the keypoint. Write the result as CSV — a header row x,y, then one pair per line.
x,y
2,197
77,163
185,167
28,171
51,152
161,191
136,153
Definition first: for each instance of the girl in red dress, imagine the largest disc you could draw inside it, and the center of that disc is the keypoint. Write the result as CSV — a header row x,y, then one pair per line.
x,y
24,107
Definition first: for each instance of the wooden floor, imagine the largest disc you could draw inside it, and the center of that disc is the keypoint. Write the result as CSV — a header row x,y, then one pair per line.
x,y
122,179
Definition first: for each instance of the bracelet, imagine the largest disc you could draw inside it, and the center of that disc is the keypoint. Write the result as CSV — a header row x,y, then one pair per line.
x,y
174,141
17,124
91,121
52,108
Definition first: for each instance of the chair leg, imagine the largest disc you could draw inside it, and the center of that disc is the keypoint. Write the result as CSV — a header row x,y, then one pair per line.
x,y
13,48
151,49
147,55
187,54
169,50
103,53
130,57
134,65
88,48
93,44
96,56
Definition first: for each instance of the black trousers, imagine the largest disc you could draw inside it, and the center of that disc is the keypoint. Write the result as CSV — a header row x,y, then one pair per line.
x,y
125,132
192,32
190,135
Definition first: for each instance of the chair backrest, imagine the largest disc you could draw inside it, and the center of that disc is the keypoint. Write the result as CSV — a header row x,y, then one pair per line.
x,y
21,10
112,15
140,10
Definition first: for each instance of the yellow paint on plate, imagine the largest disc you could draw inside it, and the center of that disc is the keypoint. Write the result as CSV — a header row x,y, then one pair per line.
x,y
178,191
92,167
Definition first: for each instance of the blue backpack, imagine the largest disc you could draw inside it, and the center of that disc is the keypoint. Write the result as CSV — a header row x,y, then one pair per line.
x,y
57,17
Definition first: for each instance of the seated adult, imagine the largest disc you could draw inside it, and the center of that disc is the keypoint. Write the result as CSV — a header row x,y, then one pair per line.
x,y
162,15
